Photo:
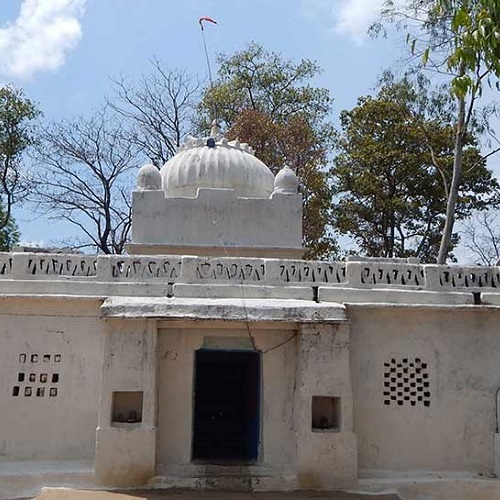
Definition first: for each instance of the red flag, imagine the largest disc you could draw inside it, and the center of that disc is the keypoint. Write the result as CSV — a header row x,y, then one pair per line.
x,y
206,18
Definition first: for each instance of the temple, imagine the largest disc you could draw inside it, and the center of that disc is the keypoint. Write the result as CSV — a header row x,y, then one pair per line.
x,y
212,356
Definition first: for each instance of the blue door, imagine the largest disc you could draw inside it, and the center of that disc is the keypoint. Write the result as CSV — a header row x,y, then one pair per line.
x,y
226,406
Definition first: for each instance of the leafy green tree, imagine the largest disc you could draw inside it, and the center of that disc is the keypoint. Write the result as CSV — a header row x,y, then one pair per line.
x,y
267,101
17,134
9,234
295,139
257,79
461,38
393,169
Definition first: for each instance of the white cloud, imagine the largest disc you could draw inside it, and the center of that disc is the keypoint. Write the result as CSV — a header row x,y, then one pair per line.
x,y
40,38
354,17
347,17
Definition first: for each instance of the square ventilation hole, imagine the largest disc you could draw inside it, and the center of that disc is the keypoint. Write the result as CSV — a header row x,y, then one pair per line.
x,y
326,414
127,407
406,383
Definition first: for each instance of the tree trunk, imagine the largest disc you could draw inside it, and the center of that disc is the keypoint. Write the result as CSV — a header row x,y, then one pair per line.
x,y
444,247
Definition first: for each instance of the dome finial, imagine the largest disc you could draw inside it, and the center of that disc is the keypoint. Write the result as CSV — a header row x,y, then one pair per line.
x,y
215,131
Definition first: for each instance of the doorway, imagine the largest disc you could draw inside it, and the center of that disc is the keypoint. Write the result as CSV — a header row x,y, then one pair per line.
x,y
226,406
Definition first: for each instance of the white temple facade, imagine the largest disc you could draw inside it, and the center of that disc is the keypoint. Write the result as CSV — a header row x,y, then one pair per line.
x,y
213,357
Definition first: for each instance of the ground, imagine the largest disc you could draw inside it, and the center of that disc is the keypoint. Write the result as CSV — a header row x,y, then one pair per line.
x,y
71,494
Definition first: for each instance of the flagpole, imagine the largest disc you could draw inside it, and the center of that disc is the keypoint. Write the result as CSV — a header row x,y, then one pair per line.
x,y
207,58
200,21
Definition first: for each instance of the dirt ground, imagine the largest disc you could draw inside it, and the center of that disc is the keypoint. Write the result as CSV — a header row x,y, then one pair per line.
x,y
70,494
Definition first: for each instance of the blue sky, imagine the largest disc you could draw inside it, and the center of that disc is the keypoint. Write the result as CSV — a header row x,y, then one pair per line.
x,y
64,52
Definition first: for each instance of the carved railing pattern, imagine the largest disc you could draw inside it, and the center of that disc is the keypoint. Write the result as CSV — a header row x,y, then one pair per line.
x,y
363,274
469,277
312,272
133,268
5,264
392,274
228,269
60,265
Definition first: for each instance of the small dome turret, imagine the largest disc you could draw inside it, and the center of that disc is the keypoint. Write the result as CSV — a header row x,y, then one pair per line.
x,y
286,181
149,178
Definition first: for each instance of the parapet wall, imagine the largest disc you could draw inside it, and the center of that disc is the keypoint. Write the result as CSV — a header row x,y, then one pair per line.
x,y
158,276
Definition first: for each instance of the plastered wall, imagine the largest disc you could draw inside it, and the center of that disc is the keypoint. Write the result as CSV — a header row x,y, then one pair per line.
x,y
175,385
424,383
125,451
217,217
327,459
50,358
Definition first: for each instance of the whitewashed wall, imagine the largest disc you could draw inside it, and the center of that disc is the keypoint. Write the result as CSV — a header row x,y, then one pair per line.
x,y
56,345
457,351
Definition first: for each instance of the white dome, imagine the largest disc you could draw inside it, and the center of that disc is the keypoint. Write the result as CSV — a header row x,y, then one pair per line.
x,y
149,178
225,165
286,181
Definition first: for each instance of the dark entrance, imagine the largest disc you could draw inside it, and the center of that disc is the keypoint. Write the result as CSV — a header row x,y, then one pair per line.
x,y
226,407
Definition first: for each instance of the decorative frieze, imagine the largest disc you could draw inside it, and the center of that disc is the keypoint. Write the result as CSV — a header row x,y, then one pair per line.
x,y
362,274
5,264
230,270
45,265
313,272
140,268
392,274
469,277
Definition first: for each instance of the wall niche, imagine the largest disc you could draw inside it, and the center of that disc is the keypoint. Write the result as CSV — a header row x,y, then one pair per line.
x,y
326,414
126,408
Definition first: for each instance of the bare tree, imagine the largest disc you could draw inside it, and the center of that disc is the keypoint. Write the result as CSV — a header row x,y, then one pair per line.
x,y
481,237
159,109
86,176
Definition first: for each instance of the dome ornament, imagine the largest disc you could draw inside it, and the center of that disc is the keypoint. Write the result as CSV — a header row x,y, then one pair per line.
x,y
215,135
215,131
286,182
149,178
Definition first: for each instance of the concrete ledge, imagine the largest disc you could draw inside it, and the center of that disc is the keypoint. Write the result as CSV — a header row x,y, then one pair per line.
x,y
381,295
256,477
420,485
80,288
490,299
243,291
216,251
25,479
298,311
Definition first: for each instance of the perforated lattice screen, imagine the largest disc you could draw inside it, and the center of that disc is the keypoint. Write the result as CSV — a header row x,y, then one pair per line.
x,y
406,382
38,375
